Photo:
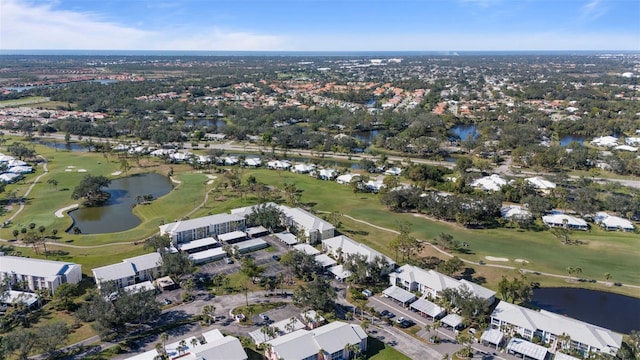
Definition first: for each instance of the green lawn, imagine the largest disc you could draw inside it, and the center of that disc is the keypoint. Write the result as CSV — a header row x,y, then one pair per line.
x,y
377,350
23,101
602,252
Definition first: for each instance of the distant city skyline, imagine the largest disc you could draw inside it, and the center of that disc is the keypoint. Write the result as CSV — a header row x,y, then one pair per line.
x,y
321,25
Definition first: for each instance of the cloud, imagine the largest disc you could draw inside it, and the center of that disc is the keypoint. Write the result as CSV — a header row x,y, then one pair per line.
x,y
592,10
29,25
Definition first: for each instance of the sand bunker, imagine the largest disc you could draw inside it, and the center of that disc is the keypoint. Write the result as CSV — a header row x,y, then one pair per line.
x,y
521,261
116,173
209,182
212,177
492,258
82,170
60,213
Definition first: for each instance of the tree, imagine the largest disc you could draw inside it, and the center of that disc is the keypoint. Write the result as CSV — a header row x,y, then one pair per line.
x,y
516,290
21,342
268,215
64,295
90,188
302,265
53,183
404,243
15,233
451,266
124,166
316,294
52,336
249,268
20,151
209,313
177,265
358,266
562,232
607,276
158,243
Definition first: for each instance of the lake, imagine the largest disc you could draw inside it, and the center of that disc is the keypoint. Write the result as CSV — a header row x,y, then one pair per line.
x,y
366,136
568,139
463,131
63,146
619,313
116,214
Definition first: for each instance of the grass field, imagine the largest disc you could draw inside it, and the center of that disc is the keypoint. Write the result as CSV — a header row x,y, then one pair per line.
x,y
23,101
602,252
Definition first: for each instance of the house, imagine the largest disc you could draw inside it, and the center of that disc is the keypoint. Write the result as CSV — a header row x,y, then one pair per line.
x,y
199,228
10,178
541,184
336,340
279,328
605,141
374,185
550,327
347,178
489,183
279,165
341,246
514,212
324,174
38,274
612,223
431,283
394,171
302,168
253,162
212,345
20,169
564,220
130,271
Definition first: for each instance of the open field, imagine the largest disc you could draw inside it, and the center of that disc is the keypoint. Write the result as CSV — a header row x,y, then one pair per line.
x,y
602,252
23,101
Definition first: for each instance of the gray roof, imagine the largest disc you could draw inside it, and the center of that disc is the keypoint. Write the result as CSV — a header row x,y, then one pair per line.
x,y
287,238
114,272
427,307
306,219
334,336
399,294
529,349
350,246
296,345
34,267
324,260
453,320
307,249
580,331
208,241
249,244
493,336
146,261
232,235
227,348
201,222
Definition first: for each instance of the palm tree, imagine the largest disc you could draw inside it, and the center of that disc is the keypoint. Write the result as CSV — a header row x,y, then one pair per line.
x,y
194,342
160,350
182,346
164,337
607,276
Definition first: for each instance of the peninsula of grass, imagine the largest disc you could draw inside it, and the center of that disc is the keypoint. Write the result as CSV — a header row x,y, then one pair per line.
x,y
601,252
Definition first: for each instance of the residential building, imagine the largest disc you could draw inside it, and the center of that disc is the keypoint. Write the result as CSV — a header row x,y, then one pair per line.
x,y
38,274
212,345
337,340
613,223
552,328
489,183
193,229
431,283
130,271
341,246
541,184
564,220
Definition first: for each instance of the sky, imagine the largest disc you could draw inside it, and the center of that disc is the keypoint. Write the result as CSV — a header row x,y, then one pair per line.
x,y
321,25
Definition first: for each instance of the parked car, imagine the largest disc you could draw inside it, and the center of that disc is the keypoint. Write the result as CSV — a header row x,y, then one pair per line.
x,y
400,319
264,317
367,292
406,324
391,315
384,313
276,257
166,301
228,260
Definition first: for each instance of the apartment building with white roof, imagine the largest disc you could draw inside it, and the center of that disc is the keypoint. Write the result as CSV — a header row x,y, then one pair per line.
x,y
193,229
550,327
130,271
331,341
37,273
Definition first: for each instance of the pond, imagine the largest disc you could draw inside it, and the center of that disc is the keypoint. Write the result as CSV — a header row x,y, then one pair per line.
x,y
116,214
63,146
463,131
218,124
366,136
568,139
619,313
